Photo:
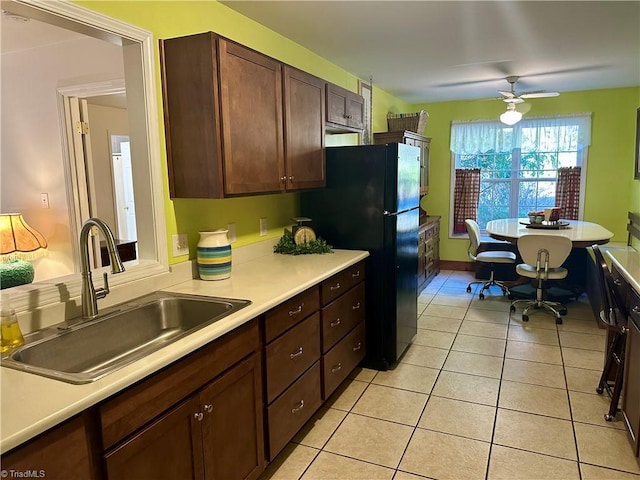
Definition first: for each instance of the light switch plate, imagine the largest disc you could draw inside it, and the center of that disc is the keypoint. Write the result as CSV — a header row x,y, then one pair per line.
x,y
263,227
180,243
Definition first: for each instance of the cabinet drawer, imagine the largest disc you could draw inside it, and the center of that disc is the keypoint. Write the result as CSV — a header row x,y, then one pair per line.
x,y
291,312
292,410
133,408
342,359
291,354
341,315
332,287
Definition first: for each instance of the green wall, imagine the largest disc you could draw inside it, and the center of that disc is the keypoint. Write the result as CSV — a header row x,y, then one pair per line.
x,y
610,191
166,19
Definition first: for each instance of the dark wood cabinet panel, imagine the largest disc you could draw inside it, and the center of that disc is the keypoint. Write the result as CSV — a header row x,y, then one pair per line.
x,y
428,251
290,313
131,409
66,451
345,110
287,357
342,359
293,408
333,287
342,315
631,387
239,122
169,448
191,116
252,124
304,99
232,427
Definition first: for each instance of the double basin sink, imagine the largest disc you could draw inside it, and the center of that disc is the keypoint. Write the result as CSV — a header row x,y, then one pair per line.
x,y
89,350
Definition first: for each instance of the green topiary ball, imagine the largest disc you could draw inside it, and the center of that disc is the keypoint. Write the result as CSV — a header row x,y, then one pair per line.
x,y
17,272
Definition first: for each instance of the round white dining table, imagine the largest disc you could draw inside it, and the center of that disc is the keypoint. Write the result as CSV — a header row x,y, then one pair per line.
x,y
582,234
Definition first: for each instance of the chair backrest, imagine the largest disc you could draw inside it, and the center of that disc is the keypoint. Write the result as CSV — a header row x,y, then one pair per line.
x,y
473,229
559,248
613,311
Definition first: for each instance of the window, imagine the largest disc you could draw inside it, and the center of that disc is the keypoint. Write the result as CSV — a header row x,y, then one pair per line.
x,y
519,164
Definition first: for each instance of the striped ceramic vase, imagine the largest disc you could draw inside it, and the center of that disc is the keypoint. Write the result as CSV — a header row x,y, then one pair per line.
x,y
214,255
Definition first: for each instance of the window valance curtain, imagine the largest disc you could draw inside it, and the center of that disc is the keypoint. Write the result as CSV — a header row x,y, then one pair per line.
x,y
473,137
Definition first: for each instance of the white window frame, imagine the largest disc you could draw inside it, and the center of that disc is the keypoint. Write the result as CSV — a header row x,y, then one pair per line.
x,y
582,160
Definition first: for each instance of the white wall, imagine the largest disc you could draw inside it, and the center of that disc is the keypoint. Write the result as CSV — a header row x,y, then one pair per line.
x,y
103,122
32,160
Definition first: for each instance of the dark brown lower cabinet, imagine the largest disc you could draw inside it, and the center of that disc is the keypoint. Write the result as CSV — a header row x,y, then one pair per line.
x,y
631,389
214,434
65,451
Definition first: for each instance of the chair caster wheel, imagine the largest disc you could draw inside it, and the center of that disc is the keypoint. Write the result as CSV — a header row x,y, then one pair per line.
x,y
608,417
558,321
512,308
525,318
468,289
563,311
481,296
599,390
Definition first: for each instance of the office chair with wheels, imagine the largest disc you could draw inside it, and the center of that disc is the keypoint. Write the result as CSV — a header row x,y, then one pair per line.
x,y
613,316
543,256
490,257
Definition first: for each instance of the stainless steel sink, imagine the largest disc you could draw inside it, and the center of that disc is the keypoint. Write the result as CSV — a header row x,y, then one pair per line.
x,y
87,351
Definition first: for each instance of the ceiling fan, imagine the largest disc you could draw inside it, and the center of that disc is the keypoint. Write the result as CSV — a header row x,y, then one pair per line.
x,y
512,97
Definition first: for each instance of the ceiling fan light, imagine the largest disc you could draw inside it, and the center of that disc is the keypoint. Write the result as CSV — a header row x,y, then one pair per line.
x,y
511,116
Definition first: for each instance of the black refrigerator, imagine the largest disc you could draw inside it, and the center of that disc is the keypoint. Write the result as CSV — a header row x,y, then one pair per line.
x,y
371,202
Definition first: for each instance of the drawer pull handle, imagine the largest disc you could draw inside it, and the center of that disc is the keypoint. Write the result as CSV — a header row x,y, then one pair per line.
x,y
295,354
336,368
335,287
198,416
356,306
356,274
357,347
296,311
299,407
208,408
336,323
617,282
636,309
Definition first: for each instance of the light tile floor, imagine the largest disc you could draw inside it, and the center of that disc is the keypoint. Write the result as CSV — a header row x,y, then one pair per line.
x,y
479,395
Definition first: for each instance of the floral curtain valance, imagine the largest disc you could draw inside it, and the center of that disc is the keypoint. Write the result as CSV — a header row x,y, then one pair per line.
x,y
470,138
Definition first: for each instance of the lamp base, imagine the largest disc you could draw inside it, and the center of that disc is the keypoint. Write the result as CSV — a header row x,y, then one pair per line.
x,y
17,272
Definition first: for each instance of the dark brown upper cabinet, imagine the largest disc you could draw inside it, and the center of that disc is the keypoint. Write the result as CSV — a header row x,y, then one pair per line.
x,y
345,110
238,122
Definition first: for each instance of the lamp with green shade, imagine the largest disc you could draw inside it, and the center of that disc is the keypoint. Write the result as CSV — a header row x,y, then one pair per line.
x,y
19,243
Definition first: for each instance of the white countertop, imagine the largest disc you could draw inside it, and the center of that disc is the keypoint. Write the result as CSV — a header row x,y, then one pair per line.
x,y
32,404
628,262
577,230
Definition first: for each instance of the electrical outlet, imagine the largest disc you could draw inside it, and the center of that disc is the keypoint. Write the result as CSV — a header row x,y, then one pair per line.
x,y
44,200
263,227
231,234
180,243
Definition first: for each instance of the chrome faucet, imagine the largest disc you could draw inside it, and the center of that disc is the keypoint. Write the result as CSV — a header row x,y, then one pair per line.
x,y
89,294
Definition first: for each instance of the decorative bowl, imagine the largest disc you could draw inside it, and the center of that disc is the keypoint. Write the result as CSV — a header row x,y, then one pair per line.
x,y
536,218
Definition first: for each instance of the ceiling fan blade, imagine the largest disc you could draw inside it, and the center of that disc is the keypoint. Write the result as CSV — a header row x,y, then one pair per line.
x,y
539,94
506,94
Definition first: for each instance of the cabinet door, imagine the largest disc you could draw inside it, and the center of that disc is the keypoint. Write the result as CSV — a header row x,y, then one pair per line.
x,y
424,166
191,116
233,431
344,109
63,452
304,130
169,448
251,105
355,110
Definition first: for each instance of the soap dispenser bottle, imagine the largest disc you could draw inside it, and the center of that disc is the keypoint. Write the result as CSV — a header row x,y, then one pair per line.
x,y
11,335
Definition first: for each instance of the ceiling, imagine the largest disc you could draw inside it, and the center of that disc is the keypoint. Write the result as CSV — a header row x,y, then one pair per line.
x,y
432,51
